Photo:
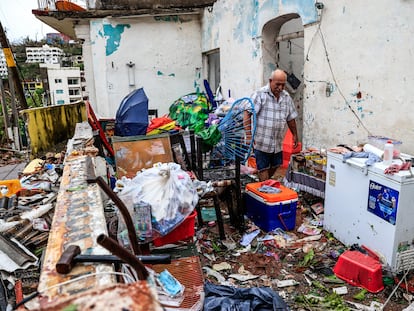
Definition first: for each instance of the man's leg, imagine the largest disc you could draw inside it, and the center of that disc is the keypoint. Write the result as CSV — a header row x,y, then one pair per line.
x,y
263,175
272,171
262,164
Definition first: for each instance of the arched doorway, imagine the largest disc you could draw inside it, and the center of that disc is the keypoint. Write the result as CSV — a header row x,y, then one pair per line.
x,y
283,47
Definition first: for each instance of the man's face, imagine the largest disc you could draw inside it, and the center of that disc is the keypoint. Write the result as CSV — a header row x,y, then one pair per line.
x,y
277,84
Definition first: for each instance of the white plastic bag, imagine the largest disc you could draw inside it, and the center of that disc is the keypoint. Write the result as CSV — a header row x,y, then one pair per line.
x,y
167,189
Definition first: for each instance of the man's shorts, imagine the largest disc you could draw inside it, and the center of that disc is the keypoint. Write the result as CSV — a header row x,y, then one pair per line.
x,y
266,160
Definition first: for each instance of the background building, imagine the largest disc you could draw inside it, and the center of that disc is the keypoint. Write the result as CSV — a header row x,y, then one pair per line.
x,y
3,65
45,54
65,84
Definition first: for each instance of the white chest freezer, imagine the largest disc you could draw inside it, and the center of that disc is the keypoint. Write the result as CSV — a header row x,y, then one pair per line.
x,y
364,206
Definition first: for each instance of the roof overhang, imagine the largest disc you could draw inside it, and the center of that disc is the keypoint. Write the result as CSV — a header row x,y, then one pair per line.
x,y
65,21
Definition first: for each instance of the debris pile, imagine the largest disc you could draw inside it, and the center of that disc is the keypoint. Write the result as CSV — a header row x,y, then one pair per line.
x,y
297,264
26,212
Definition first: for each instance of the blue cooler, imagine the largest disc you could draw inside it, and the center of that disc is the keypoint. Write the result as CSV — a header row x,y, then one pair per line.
x,y
271,210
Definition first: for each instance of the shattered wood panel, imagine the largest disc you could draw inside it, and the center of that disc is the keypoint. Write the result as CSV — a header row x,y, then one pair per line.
x,y
78,219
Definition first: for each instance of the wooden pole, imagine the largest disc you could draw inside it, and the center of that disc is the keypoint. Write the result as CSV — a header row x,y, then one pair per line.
x,y
11,64
4,107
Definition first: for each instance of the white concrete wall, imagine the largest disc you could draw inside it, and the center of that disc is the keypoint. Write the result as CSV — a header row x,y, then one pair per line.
x,y
165,51
370,49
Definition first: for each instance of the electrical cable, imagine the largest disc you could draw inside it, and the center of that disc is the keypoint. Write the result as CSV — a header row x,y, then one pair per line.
x,y
337,85
319,30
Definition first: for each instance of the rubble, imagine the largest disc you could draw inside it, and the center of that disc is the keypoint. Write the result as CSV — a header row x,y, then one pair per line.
x,y
297,264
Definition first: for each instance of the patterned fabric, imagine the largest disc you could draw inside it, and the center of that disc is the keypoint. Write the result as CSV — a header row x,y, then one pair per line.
x,y
271,118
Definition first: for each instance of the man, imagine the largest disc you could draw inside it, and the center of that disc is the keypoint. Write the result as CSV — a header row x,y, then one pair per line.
x,y
275,112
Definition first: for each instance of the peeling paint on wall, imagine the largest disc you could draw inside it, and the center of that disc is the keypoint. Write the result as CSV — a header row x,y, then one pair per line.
x,y
113,36
305,8
272,5
160,73
245,26
359,102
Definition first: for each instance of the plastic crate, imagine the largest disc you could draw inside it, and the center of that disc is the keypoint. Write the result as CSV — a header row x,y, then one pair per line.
x,y
271,211
13,186
183,231
360,270
288,148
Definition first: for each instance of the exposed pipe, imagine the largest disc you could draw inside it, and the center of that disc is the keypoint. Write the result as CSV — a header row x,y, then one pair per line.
x,y
133,240
119,251
289,36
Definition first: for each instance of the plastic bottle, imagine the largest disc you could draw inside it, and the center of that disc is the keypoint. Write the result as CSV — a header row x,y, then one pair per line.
x,y
388,153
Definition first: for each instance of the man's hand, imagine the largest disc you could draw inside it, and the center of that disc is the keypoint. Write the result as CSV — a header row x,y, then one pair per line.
x,y
295,141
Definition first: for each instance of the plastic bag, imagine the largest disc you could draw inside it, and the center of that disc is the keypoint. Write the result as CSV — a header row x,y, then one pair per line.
x,y
223,298
167,189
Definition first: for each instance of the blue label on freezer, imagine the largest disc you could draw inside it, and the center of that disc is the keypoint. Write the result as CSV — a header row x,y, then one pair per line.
x,y
383,201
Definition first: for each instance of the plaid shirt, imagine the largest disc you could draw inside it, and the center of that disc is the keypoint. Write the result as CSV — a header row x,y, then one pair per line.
x,y
271,118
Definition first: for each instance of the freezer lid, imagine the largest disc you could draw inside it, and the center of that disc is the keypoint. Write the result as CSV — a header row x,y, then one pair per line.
x,y
357,162
406,176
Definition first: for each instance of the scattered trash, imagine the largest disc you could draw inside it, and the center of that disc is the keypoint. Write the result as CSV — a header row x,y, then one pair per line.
x,y
248,237
222,266
169,283
343,290
286,283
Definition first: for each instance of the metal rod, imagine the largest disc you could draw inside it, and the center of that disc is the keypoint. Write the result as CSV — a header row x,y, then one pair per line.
x,y
133,240
124,254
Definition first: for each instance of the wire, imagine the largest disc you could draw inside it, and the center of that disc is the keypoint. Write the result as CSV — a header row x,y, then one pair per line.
x,y
319,31
337,85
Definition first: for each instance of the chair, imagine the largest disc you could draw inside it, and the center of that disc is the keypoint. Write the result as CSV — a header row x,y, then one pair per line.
x,y
224,187
179,151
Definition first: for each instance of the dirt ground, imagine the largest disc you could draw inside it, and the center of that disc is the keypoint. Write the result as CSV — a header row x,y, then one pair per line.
x,y
313,275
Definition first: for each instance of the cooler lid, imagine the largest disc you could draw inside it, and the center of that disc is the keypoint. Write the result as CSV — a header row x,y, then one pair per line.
x,y
285,195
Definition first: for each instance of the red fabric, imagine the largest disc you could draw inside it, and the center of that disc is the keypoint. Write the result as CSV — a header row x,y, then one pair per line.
x,y
271,183
158,122
395,168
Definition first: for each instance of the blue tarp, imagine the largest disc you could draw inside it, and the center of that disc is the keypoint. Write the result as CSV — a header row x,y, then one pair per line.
x,y
132,115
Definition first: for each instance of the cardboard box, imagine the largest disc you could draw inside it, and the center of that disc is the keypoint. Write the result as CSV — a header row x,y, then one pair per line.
x,y
271,210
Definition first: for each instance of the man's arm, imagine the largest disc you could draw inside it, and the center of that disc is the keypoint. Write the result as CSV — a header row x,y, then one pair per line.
x,y
292,126
247,122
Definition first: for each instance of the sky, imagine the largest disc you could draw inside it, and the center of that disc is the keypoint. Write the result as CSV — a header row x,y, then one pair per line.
x,y
19,23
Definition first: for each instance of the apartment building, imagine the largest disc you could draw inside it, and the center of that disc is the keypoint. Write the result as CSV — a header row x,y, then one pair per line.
x,y
65,84
3,65
45,54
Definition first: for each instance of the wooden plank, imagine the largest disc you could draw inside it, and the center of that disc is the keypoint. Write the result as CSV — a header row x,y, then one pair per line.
x,y
78,219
